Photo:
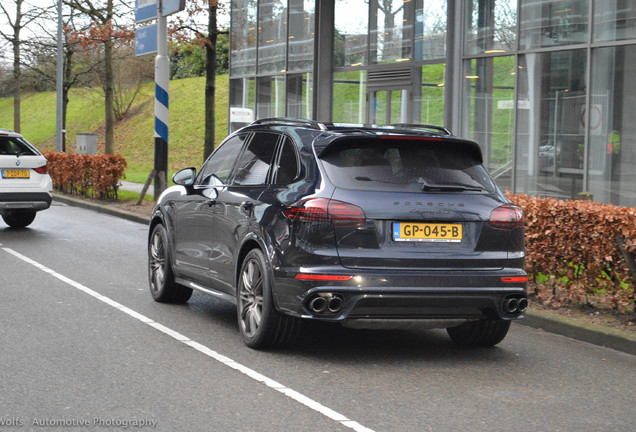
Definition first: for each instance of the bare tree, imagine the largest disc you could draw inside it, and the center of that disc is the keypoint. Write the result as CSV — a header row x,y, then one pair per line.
x,y
18,17
130,73
40,57
104,31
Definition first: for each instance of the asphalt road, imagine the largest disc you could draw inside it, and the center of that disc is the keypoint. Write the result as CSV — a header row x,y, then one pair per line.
x,y
84,347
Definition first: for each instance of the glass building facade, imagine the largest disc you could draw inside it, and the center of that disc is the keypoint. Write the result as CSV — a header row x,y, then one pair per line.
x,y
542,85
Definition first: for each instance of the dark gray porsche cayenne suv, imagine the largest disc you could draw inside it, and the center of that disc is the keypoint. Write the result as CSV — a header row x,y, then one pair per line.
x,y
368,226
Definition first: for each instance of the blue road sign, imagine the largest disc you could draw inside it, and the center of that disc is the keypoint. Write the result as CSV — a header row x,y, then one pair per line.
x,y
145,10
146,40
171,6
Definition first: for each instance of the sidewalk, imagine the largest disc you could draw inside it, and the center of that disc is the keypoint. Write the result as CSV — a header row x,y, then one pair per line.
x,y
572,328
136,187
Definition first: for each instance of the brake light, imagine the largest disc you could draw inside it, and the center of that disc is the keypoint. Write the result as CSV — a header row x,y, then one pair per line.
x,y
410,138
316,277
44,169
338,213
507,216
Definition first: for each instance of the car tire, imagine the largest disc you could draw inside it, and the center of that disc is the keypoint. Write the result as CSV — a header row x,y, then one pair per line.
x,y
19,219
259,323
479,333
163,287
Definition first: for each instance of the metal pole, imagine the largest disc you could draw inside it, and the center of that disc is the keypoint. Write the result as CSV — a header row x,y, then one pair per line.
x,y
59,84
162,82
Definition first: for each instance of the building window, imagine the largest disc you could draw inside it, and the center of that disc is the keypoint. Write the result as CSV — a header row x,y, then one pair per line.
x,y
491,26
270,97
272,36
349,97
614,20
391,31
300,91
489,112
611,129
550,132
350,35
243,37
428,94
553,23
242,102
430,29
301,36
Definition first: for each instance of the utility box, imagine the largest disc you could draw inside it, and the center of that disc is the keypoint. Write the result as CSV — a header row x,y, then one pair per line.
x,y
87,143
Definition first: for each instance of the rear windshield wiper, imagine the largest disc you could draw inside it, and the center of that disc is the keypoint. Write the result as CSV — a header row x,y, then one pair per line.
x,y
449,187
431,186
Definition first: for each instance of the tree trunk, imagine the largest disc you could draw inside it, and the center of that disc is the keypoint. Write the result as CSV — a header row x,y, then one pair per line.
x,y
109,92
210,82
66,86
17,73
17,85
108,96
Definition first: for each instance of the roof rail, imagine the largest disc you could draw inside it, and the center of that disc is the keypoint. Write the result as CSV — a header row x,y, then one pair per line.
x,y
424,126
293,121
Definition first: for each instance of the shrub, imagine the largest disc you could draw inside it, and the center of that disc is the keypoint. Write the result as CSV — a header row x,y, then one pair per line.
x,y
572,250
93,176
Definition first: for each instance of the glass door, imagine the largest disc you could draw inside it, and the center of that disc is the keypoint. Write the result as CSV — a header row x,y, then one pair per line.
x,y
389,106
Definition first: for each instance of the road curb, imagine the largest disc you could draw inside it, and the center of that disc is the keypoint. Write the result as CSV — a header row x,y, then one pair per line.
x,y
583,331
101,208
569,327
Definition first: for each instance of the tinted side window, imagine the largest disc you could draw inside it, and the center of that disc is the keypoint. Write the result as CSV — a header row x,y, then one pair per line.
x,y
253,166
218,167
287,169
15,146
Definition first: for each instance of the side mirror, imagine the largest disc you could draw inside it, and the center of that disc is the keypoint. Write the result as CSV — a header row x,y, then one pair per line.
x,y
185,177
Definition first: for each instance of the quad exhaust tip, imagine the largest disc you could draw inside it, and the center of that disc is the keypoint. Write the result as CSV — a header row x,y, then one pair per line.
x,y
318,305
515,305
325,303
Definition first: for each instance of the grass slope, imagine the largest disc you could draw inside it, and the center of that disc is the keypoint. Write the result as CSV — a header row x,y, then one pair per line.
x,y
134,135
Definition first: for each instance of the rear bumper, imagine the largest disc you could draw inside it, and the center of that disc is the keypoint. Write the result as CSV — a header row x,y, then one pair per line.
x,y
452,295
29,201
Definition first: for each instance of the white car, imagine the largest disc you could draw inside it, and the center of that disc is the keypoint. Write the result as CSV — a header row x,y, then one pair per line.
x,y
25,184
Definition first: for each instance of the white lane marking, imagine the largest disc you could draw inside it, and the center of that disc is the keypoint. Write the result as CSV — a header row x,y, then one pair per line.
x,y
290,393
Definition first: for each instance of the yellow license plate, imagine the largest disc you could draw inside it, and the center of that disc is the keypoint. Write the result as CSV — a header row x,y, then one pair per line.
x,y
427,232
15,173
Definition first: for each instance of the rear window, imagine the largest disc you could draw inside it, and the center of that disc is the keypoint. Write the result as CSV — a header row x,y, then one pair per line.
x,y
15,146
402,165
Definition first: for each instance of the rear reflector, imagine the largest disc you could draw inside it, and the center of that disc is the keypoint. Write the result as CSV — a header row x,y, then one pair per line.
x,y
515,279
507,216
323,277
325,210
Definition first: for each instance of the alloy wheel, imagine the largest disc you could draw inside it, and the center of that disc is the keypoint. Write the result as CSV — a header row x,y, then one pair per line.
x,y
251,297
157,261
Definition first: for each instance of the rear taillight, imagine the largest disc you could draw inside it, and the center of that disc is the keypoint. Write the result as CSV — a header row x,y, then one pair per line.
x,y
338,213
507,216
42,170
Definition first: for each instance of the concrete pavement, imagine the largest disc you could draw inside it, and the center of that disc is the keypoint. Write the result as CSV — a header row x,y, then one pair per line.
x,y
135,187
